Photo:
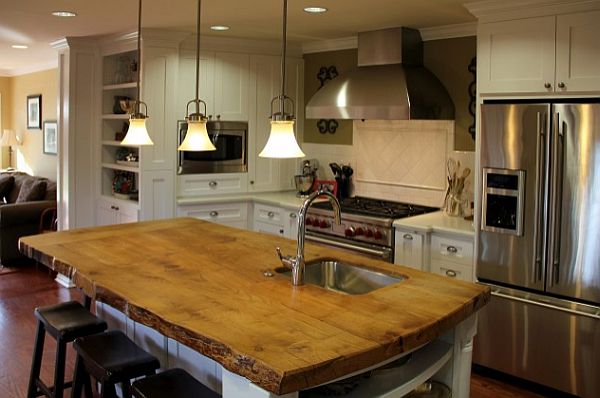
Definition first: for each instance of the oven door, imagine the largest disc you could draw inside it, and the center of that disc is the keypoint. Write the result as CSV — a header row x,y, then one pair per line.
x,y
366,249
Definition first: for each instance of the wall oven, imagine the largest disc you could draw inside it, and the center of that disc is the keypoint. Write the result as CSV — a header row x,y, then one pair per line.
x,y
231,141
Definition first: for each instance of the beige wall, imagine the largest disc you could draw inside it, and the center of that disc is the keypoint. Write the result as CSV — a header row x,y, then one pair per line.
x,y
5,105
448,59
29,156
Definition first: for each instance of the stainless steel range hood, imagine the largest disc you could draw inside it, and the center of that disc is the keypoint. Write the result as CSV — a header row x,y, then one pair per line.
x,y
390,83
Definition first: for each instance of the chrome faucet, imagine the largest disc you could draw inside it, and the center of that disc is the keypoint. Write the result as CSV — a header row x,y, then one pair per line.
x,y
297,264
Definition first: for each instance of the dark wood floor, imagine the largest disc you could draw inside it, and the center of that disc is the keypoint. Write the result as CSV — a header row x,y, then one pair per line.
x,y
23,289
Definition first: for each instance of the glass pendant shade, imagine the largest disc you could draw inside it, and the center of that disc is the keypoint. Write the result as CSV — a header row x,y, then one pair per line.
x,y
196,138
137,133
282,142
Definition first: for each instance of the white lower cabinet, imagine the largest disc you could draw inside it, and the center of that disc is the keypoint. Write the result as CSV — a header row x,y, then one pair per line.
x,y
410,249
211,184
230,214
275,220
116,211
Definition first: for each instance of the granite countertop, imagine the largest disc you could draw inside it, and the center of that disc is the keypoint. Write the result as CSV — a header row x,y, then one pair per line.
x,y
438,221
204,285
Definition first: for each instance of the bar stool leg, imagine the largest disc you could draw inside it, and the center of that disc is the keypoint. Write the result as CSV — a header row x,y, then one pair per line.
x,y
36,363
126,385
59,370
107,390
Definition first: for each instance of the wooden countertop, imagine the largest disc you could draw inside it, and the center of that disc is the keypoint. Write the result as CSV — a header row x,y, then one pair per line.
x,y
202,284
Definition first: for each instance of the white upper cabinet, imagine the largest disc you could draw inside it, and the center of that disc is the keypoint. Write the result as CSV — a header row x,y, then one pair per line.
x,y
231,86
550,54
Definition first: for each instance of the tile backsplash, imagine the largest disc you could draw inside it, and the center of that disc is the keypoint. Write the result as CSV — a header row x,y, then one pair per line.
x,y
396,160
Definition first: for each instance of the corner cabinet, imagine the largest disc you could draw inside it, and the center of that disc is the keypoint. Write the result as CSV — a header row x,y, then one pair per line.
x,y
550,54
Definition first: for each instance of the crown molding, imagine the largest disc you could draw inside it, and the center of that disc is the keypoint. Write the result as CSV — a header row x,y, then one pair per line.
x,y
449,31
499,10
344,43
30,69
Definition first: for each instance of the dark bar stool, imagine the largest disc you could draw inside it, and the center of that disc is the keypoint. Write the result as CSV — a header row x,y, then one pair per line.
x,y
65,322
172,383
111,358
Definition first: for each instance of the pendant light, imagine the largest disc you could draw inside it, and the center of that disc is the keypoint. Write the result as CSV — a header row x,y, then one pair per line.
x,y
282,142
137,133
196,138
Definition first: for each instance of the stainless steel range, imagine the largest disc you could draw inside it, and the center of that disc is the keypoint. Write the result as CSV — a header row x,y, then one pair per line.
x,y
366,225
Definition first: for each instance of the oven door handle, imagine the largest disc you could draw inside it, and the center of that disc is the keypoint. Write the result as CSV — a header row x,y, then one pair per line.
x,y
384,254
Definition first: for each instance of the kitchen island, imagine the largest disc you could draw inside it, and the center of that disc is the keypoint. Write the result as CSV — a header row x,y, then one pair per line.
x,y
204,285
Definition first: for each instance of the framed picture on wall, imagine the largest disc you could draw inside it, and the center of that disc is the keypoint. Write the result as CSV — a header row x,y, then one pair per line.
x,y
34,111
50,135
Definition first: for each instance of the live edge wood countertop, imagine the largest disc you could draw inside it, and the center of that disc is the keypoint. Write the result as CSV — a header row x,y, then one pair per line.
x,y
202,284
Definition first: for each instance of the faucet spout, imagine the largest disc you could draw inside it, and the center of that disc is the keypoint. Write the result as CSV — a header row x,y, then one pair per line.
x,y
297,264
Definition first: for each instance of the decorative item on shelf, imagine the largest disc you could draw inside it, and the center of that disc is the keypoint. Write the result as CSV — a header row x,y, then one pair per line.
x,y
456,202
282,141
126,157
119,135
472,95
137,133
196,137
50,137
34,111
327,126
123,185
122,105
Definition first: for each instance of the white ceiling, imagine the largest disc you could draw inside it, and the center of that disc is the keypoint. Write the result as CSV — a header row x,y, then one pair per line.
x,y
30,21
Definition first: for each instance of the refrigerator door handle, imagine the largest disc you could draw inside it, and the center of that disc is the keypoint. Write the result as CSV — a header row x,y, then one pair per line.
x,y
588,314
555,198
538,232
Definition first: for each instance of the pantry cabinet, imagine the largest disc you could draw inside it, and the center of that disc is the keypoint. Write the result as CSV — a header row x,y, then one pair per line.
x,y
549,54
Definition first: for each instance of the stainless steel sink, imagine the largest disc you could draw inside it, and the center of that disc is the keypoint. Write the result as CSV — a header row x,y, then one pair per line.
x,y
345,278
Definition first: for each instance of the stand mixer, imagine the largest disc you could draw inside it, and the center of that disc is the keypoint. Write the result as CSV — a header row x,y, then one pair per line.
x,y
304,182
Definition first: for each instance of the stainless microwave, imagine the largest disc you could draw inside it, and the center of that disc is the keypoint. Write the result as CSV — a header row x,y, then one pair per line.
x,y
230,139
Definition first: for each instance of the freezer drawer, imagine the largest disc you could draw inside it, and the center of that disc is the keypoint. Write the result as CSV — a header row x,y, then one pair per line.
x,y
551,342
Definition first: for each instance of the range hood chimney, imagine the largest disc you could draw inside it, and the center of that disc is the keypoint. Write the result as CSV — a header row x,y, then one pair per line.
x,y
390,83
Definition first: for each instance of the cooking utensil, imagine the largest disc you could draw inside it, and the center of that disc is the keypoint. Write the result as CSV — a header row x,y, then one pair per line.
x,y
336,169
347,171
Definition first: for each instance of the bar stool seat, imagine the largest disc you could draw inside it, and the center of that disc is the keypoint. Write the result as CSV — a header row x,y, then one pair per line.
x,y
64,322
172,383
111,357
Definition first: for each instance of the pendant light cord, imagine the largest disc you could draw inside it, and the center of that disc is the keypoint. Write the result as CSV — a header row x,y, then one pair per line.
x,y
198,58
139,50
283,51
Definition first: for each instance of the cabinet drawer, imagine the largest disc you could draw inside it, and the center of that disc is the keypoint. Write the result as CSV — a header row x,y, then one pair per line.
x,y
268,214
273,229
452,270
223,213
209,184
408,250
447,249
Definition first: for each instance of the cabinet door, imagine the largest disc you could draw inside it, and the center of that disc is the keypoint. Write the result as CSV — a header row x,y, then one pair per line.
x,y
187,82
291,226
126,215
268,228
578,52
409,248
105,215
231,214
231,86
516,56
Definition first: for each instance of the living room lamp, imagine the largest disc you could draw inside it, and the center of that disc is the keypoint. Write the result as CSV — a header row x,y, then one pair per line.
x,y
9,139
196,138
137,133
282,141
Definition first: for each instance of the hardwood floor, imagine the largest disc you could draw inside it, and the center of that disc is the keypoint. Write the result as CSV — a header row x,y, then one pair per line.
x,y
23,289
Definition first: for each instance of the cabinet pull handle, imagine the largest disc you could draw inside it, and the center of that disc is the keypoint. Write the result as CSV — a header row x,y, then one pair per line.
x,y
293,215
452,249
547,85
561,85
281,231
113,207
212,184
450,273
408,236
271,214
214,213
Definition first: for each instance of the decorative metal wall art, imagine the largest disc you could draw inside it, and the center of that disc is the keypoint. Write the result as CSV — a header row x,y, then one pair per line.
x,y
327,73
327,126
472,94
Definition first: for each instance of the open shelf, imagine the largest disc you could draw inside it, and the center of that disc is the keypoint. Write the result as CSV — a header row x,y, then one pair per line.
x,y
117,143
113,116
121,86
115,166
124,201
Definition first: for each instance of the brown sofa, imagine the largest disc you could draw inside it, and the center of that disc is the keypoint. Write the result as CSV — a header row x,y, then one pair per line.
x,y
22,203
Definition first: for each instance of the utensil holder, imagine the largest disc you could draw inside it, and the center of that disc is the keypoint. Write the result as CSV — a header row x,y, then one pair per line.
x,y
453,205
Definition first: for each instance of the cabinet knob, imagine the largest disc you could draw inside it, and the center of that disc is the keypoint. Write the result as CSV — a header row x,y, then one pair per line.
x,y
547,85
271,214
218,117
408,236
212,184
214,213
293,215
251,182
561,85
281,231
452,249
450,273
114,207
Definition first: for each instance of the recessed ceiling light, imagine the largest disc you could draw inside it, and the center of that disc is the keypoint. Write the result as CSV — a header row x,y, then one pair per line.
x,y
20,46
64,14
315,10
219,27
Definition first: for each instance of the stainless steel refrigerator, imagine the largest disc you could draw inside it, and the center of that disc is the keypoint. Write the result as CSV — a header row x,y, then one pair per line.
x,y
538,243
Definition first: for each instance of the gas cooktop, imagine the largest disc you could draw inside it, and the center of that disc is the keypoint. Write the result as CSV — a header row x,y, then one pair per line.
x,y
377,208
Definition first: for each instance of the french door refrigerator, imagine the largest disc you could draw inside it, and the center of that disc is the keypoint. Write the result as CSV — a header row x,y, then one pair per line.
x,y
538,243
